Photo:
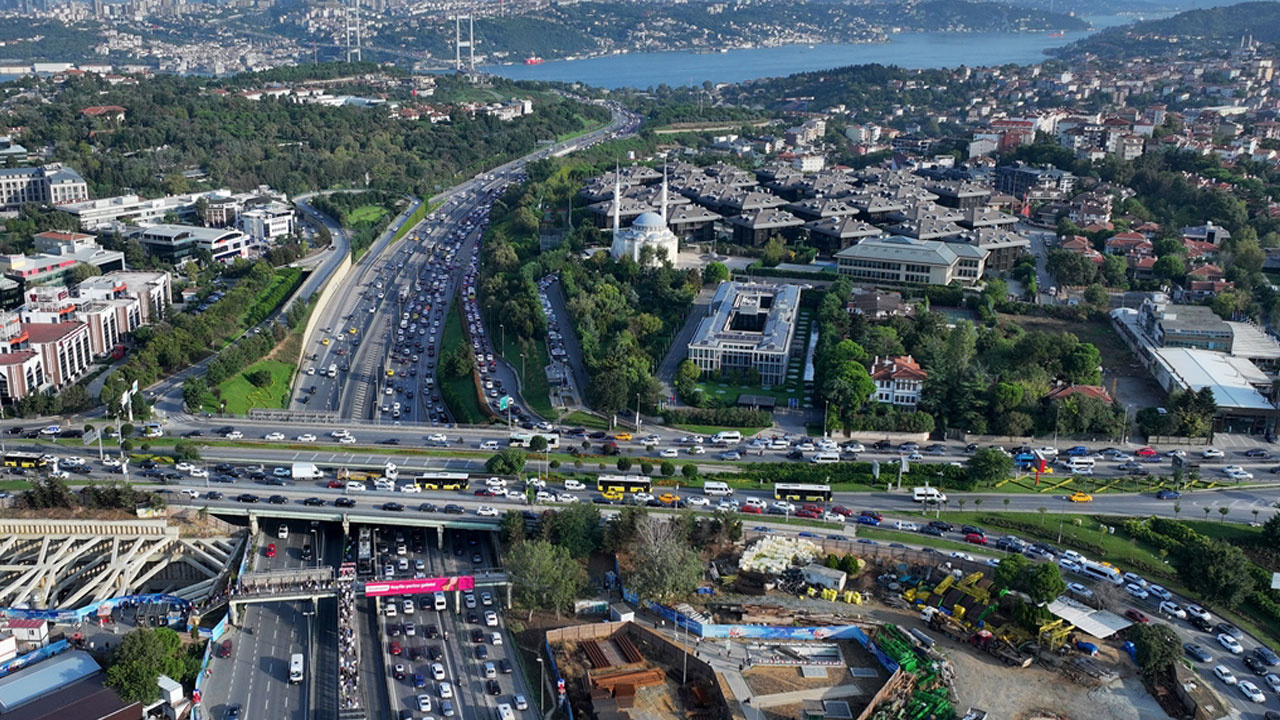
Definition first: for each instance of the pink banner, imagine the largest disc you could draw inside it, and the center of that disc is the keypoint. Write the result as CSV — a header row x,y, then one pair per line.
x,y
419,586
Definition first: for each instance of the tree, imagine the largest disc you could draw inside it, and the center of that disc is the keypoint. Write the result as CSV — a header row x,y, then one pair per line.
x,y
511,527
1009,572
142,656
989,466
258,378
1042,582
621,532
715,273
84,271
544,575
1096,295
538,444
1157,648
689,471
185,450
668,468
1217,571
576,528
1170,267
624,463
1271,530
506,462
664,567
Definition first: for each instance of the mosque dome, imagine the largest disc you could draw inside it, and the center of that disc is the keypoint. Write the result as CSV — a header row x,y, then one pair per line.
x,y
648,220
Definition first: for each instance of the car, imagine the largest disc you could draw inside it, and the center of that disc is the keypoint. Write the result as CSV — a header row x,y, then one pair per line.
x,y
868,520
1256,666
1146,452
233,713
1212,453
1257,453
1168,607
247,498
931,530
344,502
1137,616
976,539
1229,629
1199,623
1080,497
1231,644
437,671
1251,691
393,507
1160,592
504,666
491,686
446,706
1137,591
271,550
1273,681
313,502
487,511
491,618
399,670
482,652
521,702
1079,590
1223,673
274,436
1266,655
1197,652
306,438
424,703
669,453
1196,611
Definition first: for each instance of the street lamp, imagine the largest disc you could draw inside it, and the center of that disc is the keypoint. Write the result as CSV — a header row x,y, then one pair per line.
x,y
542,683
503,328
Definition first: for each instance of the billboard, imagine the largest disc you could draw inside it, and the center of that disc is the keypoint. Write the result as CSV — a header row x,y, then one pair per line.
x,y
419,586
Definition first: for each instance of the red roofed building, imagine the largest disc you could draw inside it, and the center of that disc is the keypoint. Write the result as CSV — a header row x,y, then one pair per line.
x,y
1199,290
21,373
1143,267
110,112
1081,246
899,380
1206,272
1199,249
1096,392
1126,242
64,347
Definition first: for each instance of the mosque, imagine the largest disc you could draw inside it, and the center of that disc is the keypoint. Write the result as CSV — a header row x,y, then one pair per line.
x,y
648,230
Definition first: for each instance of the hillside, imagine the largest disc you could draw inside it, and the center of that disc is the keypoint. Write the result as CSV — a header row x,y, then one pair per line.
x,y
1210,28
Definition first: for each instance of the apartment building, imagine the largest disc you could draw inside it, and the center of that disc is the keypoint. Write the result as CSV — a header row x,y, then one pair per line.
x,y
47,185
906,261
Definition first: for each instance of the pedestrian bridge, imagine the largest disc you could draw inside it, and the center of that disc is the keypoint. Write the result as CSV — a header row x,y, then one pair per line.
x,y
316,583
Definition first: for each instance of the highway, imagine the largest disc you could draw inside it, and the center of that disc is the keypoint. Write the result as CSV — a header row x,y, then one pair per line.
x,y
420,275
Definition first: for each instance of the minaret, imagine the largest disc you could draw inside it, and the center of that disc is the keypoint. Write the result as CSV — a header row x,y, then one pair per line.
x,y
664,194
617,200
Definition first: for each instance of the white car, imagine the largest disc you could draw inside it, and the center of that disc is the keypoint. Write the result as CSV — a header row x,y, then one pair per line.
x,y
490,445
853,447
1273,681
184,467
521,703
1209,453
1159,592
643,497
437,671
1080,590
353,486
669,453
697,501
110,462
1049,452
1231,644
905,525
446,690
730,455
424,703
391,610
487,511
1071,565
277,436
544,497
346,440
1251,691
1137,591
281,472
1196,611
306,437
727,505
199,473
566,498
784,506
834,517
491,618
437,438
697,450
188,492
962,556
234,435
409,607
1240,474
1168,607
1224,674
1122,457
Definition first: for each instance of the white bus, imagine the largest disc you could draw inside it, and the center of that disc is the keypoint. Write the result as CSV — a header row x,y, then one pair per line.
x,y
1098,571
296,668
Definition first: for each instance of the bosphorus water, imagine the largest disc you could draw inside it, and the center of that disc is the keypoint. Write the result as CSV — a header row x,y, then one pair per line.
x,y
910,50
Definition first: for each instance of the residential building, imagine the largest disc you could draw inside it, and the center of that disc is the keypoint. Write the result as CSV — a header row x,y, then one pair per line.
x,y
177,244
902,260
1004,247
749,326
877,304
152,290
1021,180
47,185
832,234
898,380
1209,233
756,228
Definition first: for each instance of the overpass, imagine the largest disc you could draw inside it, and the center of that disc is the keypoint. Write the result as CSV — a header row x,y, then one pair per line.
x,y
316,583
365,517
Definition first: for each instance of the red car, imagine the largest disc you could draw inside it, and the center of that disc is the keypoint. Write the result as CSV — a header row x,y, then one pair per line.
x,y
841,510
976,539
808,513
812,508
1146,452
271,550
336,484
396,649
1136,616
485,492
752,509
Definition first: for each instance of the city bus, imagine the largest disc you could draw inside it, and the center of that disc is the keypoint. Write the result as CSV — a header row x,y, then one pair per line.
x,y
623,484
23,460
802,492
442,481
524,440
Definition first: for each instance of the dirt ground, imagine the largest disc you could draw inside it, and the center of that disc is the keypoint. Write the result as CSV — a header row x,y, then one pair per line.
x,y
1036,692
770,680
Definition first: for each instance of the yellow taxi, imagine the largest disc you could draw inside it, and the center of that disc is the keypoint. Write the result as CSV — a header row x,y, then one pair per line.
x,y
612,496
352,331
622,436
324,341
1080,497
391,373
668,498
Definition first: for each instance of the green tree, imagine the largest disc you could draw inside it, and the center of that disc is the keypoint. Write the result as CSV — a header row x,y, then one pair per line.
x,y
664,566
1097,296
1170,267
538,444
668,468
621,532
1157,648
1043,582
544,576
506,462
577,528
137,663
185,450
624,463
689,471
989,466
715,273
511,528
1218,572
1008,573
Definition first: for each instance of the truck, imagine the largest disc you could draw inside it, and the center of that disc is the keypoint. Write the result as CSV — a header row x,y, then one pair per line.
x,y
306,471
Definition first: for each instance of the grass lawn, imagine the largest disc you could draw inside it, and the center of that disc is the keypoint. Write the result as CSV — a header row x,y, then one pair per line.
x,y
533,384
240,395
462,400
365,214
586,420
713,429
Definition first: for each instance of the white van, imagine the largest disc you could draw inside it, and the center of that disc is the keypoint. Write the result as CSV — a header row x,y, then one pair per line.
x,y
726,437
928,494
754,502
574,485
716,489
283,532
505,712
439,601
824,458
1075,463
296,668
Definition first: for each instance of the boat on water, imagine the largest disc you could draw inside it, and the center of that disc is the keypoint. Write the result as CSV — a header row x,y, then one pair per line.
x,y
1057,34
533,60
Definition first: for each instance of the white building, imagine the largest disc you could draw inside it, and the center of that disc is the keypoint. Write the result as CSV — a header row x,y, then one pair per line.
x,y
898,380
903,260
649,230
48,185
748,326
265,223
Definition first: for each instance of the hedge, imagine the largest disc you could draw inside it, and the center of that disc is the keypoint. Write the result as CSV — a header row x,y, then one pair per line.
x,y
726,417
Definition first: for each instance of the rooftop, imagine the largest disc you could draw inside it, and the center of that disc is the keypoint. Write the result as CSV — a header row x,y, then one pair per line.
x,y
1232,380
43,678
758,314
904,249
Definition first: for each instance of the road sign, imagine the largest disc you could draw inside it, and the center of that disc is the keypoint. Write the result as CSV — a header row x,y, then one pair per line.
x,y
504,402
875,469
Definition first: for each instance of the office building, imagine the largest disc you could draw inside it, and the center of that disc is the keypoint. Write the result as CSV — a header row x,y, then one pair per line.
x,y
903,260
265,223
747,327
1021,180
1185,326
47,185
59,253
176,244
152,290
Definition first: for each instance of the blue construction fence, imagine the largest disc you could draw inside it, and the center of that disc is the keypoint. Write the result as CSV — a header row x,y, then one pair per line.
x,y
832,632
79,615
34,656
555,671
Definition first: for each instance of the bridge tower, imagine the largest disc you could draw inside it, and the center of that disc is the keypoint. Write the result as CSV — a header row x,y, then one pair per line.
x,y
469,43
354,31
